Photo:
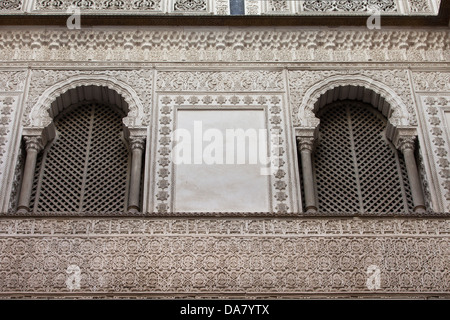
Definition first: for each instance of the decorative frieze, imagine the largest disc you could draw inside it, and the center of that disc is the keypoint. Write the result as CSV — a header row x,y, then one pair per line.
x,y
11,5
328,7
99,5
288,257
349,6
225,81
223,45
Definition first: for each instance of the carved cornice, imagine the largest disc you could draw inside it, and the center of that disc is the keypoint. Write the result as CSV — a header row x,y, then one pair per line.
x,y
223,44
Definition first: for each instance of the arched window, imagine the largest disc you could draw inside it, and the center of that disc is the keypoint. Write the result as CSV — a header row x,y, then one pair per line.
x,y
85,168
356,168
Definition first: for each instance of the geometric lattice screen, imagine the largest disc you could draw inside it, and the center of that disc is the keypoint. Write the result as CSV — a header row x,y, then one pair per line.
x,y
85,168
356,168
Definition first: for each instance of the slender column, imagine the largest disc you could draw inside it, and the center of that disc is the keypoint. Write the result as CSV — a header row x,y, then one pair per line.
x,y
305,146
33,146
406,145
137,147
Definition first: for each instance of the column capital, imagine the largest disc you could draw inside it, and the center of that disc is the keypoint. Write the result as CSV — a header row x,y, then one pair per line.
x,y
306,138
403,137
137,142
406,143
305,143
33,143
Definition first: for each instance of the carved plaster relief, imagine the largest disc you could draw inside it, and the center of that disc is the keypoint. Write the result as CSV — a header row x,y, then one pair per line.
x,y
257,257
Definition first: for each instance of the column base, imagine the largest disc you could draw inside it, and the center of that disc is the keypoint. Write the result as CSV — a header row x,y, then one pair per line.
x,y
311,210
133,210
22,210
420,209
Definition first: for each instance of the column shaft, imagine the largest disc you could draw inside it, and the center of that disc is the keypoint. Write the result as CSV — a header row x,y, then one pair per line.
x,y
305,148
137,147
407,147
33,146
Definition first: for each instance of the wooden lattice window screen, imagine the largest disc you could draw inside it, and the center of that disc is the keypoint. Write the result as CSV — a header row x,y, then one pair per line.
x,y
85,169
357,170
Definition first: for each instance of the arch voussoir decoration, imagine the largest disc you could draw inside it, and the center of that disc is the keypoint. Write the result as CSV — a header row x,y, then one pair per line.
x,y
40,117
398,113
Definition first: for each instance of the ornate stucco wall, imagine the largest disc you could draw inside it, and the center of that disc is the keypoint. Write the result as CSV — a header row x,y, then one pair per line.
x,y
276,253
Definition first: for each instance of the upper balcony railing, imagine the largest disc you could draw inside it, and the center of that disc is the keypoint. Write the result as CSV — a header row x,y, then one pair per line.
x,y
222,7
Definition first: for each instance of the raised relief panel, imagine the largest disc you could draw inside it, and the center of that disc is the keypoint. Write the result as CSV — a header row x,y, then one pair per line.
x,y
12,84
221,161
437,117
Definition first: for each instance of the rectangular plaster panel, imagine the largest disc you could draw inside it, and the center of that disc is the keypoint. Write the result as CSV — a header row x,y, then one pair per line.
x,y
208,181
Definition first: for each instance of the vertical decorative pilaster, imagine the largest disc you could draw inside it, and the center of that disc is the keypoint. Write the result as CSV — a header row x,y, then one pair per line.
x,y
137,145
33,146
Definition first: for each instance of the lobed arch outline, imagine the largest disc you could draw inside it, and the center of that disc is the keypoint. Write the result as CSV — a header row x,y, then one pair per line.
x,y
39,116
397,115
